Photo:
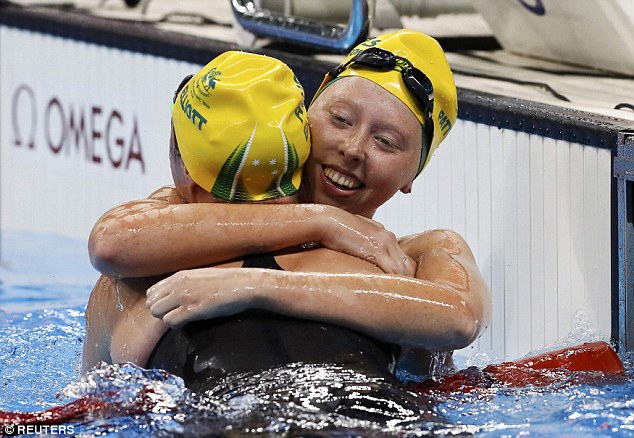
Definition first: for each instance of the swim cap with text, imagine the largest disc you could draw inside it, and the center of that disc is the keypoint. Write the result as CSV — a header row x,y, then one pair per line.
x,y
241,127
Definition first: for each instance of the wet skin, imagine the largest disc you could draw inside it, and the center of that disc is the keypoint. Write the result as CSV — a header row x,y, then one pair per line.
x,y
366,151
446,307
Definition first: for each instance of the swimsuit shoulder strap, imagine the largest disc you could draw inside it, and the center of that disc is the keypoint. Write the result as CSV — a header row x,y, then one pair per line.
x,y
266,260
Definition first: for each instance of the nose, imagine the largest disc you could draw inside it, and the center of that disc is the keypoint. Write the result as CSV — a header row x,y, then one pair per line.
x,y
353,145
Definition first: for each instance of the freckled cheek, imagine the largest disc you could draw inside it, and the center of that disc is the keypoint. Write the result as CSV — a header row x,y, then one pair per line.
x,y
409,165
392,173
323,145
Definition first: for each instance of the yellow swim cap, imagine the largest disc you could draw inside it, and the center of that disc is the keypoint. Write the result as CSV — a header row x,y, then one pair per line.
x,y
417,73
241,128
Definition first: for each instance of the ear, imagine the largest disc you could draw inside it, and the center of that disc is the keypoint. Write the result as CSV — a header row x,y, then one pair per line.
x,y
181,165
176,160
407,188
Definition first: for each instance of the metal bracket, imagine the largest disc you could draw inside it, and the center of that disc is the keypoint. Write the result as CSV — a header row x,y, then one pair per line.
x,y
624,161
623,306
305,32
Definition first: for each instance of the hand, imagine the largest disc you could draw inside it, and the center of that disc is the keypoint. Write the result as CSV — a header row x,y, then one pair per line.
x,y
198,294
366,239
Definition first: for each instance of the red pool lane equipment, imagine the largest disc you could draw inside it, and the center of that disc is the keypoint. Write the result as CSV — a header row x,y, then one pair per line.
x,y
594,356
89,407
77,409
541,370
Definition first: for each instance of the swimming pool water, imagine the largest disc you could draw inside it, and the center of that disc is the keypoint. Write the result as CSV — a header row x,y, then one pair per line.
x,y
40,362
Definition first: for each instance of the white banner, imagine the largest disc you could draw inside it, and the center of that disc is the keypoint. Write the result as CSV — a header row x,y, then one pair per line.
x,y
83,128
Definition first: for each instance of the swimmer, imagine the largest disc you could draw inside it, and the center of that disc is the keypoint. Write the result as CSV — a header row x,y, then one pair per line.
x,y
222,141
375,123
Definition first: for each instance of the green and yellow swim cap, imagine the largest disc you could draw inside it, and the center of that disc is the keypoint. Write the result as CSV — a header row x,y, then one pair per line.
x,y
419,68
241,127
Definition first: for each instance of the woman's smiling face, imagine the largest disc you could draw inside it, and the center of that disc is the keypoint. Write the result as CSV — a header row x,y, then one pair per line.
x,y
366,146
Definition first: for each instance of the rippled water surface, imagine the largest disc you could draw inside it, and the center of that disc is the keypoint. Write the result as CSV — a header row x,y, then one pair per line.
x,y
39,369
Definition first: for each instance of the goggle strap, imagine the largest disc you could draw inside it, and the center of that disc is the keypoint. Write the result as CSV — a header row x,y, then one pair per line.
x,y
184,82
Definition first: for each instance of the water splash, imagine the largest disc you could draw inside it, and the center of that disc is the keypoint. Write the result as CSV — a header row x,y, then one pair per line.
x,y
479,360
584,330
297,399
112,400
126,382
40,353
116,286
439,367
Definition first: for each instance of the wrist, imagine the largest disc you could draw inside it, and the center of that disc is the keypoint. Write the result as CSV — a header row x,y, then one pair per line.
x,y
261,288
319,217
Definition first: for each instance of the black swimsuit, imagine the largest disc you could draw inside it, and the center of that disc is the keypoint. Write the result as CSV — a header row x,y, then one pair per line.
x,y
203,352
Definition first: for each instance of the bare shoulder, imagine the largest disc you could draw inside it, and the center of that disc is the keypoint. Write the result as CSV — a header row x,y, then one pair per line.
x,y
163,196
433,241
102,292
167,194
444,257
109,297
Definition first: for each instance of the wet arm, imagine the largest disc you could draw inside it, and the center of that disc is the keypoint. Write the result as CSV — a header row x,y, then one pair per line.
x,y
94,351
96,346
433,315
443,257
163,235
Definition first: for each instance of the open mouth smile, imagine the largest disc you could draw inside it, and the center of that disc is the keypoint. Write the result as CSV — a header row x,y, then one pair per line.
x,y
341,181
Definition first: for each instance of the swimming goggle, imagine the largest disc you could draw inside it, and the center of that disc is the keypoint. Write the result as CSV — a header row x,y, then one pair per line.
x,y
180,87
417,82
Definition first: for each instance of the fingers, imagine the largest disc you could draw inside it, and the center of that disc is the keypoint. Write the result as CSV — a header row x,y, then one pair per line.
x,y
385,252
168,307
156,292
176,301
390,257
368,240
176,318
159,301
410,266
395,261
406,266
